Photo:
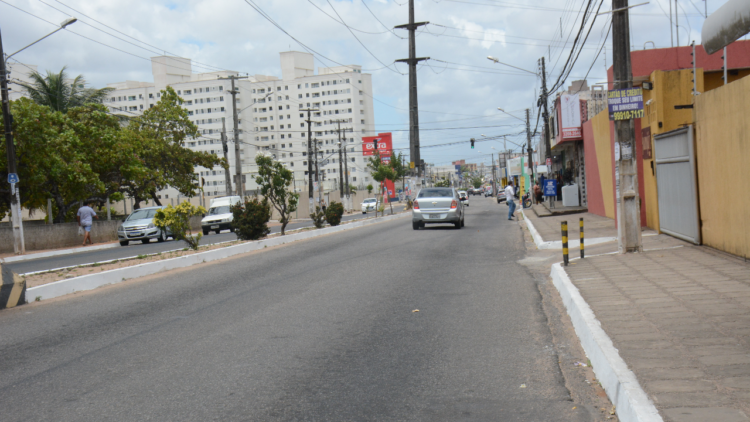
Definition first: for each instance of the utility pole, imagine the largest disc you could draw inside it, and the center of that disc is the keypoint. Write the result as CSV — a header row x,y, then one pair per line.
x,y
237,163
677,23
317,170
227,177
341,164
413,107
671,31
528,146
545,116
346,177
628,202
19,247
344,184
310,192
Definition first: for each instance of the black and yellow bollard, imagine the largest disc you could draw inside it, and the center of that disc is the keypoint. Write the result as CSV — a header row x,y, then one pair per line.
x,y
565,242
581,224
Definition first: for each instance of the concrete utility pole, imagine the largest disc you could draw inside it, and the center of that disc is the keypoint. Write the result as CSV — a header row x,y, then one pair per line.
x,y
344,185
341,164
317,170
545,116
528,145
346,178
413,107
19,246
676,22
227,176
310,191
628,202
237,163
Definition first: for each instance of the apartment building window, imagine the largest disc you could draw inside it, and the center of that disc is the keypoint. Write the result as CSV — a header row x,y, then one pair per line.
x,y
278,88
133,108
222,109
363,122
307,85
287,97
140,96
131,98
299,86
141,106
359,81
347,81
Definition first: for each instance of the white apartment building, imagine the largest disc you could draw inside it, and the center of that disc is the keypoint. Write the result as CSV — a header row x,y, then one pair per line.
x,y
269,115
279,120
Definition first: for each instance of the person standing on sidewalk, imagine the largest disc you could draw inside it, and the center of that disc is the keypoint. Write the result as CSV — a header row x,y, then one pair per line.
x,y
509,194
85,218
323,204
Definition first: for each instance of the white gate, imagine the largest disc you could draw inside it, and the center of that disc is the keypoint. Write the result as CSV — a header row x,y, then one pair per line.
x,y
674,156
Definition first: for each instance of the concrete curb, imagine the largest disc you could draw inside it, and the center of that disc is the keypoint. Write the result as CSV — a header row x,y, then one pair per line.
x,y
88,282
622,387
557,244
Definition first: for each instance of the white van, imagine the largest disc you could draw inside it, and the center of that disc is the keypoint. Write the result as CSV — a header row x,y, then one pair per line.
x,y
219,216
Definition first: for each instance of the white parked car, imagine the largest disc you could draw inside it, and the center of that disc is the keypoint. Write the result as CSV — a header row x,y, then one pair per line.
x,y
464,197
369,204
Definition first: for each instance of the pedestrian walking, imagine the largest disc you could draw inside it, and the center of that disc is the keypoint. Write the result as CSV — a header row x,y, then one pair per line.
x,y
323,204
510,192
85,218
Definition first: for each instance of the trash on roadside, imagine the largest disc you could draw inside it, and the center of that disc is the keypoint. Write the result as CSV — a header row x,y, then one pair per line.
x,y
416,310
580,364
612,411
574,407
522,386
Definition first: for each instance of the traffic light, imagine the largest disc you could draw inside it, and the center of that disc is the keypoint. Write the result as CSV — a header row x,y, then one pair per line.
x,y
472,143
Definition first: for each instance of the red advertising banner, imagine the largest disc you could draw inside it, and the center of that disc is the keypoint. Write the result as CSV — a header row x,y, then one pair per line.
x,y
385,148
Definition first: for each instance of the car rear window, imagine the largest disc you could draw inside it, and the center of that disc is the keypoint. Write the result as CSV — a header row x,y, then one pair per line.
x,y
436,193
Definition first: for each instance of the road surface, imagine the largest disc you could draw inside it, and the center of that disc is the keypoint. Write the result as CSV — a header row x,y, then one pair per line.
x,y
321,330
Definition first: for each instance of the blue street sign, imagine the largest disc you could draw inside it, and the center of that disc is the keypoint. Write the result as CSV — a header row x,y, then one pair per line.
x,y
550,187
13,178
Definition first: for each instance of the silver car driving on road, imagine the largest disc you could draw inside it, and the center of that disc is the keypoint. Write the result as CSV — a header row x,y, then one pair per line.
x,y
437,206
140,226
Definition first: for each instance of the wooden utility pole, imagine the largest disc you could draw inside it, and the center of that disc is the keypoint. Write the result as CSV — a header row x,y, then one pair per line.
x,y
227,176
626,170
413,106
237,163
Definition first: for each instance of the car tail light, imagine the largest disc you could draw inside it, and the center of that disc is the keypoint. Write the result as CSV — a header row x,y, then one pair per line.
x,y
415,205
454,204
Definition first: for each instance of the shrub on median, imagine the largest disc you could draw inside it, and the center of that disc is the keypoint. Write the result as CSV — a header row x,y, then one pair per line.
x,y
318,218
334,213
250,220
177,220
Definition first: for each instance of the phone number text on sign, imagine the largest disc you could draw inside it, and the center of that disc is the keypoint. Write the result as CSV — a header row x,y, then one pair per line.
x,y
625,104
627,115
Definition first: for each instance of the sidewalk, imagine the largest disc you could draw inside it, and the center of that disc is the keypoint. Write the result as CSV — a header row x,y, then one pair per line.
x,y
677,314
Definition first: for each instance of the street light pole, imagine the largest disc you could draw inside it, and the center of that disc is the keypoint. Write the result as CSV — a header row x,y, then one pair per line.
x,y
19,246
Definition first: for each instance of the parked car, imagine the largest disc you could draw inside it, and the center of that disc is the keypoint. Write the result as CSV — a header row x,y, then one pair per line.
x,y
437,206
464,197
219,215
500,196
140,226
488,191
368,204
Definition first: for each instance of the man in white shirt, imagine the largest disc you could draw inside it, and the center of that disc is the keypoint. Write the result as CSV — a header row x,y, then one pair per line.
x,y
509,194
85,218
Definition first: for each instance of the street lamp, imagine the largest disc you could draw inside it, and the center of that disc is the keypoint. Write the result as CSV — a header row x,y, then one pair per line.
x,y
19,246
511,115
509,65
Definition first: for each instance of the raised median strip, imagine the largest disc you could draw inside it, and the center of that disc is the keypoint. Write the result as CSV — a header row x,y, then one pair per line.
x,y
620,383
92,281
12,289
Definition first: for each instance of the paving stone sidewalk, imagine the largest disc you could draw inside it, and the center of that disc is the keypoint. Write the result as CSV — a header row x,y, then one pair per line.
x,y
680,319
594,225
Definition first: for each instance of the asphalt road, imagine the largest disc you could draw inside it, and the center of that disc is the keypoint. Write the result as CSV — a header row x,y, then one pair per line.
x,y
137,248
318,330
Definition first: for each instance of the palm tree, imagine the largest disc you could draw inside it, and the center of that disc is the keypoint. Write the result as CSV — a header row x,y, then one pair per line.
x,y
60,93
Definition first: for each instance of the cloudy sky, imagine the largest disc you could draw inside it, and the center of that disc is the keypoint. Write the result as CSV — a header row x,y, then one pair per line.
x,y
459,89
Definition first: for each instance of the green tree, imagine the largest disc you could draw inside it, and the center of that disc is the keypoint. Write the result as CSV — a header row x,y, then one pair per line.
x,y
160,134
177,220
399,169
476,182
443,184
380,173
60,93
274,181
369,189
53,161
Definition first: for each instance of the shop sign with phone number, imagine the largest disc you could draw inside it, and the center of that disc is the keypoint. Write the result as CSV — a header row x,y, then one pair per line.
x,y
625,104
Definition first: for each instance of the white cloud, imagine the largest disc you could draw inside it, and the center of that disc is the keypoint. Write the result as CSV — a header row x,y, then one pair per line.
x,y
229,34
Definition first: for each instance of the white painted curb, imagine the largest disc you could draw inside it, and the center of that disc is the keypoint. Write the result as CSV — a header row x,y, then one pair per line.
x,y
622,387
557,244
92,281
